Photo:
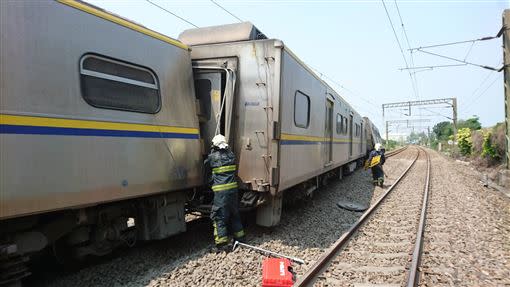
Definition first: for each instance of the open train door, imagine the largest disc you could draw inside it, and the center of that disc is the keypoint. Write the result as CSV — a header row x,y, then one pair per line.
x,y
351,118
328,133
215,82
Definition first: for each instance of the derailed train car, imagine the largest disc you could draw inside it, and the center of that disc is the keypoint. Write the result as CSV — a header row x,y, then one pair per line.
x,y
287,126
99,138
372,132
104,125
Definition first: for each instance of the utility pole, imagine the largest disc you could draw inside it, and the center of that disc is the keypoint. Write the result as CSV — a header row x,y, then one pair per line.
x,y
449,101
386,133
429,142
506,63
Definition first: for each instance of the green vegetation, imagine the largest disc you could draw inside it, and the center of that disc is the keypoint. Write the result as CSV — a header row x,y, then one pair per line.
x,y
443,131
488,149
418,138
391,145
471,123
464,141
485,145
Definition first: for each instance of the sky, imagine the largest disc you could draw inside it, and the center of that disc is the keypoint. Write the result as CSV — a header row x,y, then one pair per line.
x,y
354,48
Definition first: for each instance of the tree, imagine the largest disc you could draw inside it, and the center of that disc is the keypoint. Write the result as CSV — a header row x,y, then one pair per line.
x,y
413,138
471,123
443,130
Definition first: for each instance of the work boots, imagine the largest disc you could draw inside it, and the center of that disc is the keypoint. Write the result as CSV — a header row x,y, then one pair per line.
x,y
219,248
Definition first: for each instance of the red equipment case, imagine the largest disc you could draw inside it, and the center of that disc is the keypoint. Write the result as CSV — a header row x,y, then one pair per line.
x,y
277,272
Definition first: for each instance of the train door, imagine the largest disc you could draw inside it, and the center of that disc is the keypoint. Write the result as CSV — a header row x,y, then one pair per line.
x,y
350,135
328,133
214,92
361,138
208,94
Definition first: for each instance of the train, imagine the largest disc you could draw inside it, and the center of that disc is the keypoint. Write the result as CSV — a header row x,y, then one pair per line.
x,y
104,126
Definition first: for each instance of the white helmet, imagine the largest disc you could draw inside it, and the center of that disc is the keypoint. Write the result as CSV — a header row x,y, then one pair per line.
x,y
378,146
219,141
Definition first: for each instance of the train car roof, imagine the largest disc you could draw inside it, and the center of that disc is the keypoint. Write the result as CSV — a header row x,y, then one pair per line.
x,y
96,11
238,33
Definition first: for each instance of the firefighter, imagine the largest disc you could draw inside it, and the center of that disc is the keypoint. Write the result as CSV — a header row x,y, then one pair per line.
x,y
375,161
225,208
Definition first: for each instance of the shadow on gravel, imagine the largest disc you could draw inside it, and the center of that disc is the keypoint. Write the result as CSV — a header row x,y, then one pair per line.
x,y
313,223
318,222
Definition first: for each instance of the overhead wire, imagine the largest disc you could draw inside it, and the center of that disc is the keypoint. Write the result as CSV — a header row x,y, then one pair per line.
x,y
224,9
409,46
469,51
462,42
471,97
433,67
399,46
172,13
460,61
321,74
434,112
481,94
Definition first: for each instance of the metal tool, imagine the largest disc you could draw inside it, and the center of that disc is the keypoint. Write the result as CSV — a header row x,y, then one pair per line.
x,y
264,251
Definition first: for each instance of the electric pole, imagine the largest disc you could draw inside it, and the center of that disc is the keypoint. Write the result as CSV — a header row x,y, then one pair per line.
x,y
506,62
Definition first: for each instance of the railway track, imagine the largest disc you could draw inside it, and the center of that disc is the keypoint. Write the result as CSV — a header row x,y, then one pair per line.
x,y
384,246
397,151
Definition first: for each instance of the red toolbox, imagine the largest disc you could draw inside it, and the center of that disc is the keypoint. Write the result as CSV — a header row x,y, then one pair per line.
x,y
277,272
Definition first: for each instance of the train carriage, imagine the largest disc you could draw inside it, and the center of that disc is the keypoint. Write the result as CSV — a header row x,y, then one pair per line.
x,y
104,125
97,128
287,126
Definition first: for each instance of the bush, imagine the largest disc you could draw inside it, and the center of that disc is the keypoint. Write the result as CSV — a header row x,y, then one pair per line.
x,y
498,139
464,141
488,150
477,140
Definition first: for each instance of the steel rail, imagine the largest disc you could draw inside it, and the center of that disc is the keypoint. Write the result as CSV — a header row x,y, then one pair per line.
x,y
397,151
325,258
414,275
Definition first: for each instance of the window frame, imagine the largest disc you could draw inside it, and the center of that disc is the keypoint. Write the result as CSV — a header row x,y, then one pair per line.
x,y
308,110
339,125
104,76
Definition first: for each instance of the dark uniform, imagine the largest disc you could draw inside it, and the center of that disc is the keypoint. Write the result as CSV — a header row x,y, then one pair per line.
x,y
377,171
225,209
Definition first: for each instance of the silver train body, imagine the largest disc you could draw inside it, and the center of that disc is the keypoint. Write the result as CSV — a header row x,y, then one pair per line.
x,y
98,130
287,126
104,125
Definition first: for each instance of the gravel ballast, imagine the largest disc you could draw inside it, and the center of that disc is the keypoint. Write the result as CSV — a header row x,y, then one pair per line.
x,y
467,236
378,253
310,226
307,228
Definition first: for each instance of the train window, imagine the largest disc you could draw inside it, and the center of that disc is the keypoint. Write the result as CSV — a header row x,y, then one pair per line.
x,y
346,124
301,110
338,124
203,90
112,84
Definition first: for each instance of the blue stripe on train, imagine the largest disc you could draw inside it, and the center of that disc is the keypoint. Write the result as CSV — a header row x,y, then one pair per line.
x,y
35,130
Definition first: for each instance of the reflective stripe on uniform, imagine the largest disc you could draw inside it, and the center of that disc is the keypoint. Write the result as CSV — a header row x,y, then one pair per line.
x,y
219,239
375,161
239,234
226,186
222,169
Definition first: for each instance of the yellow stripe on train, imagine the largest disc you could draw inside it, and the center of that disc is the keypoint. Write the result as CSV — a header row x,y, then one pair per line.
x,y
123,22
88,124
291,137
